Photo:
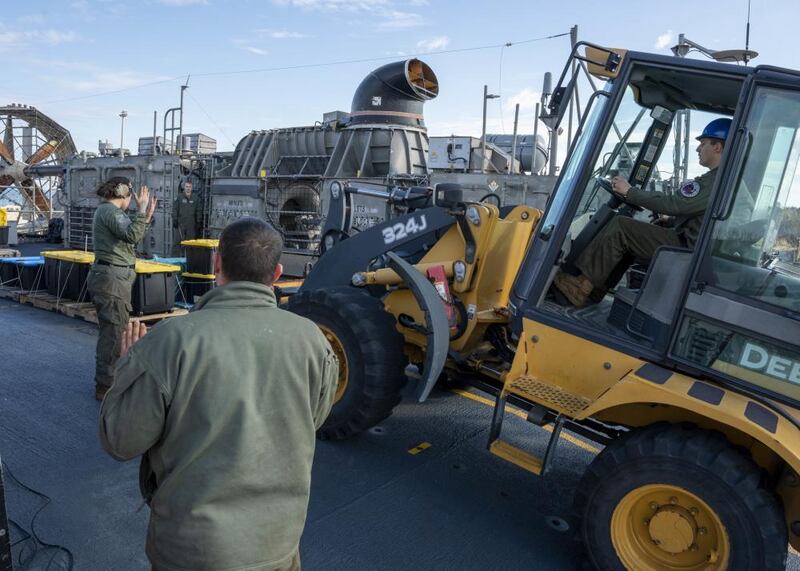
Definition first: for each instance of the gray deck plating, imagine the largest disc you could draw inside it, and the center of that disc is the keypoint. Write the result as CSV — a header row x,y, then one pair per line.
x,y
373,505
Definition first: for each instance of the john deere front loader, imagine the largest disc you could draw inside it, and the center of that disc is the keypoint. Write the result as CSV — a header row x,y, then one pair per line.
x,y
686,367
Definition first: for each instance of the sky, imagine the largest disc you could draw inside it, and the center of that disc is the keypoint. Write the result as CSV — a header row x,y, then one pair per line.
x,y
83,61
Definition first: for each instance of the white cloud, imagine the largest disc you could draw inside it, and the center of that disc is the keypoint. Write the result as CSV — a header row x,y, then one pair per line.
x,y
419,2
285,34
334,5
182,2
433,44
527,99
257,51
664,40
396,20
13,39
112,80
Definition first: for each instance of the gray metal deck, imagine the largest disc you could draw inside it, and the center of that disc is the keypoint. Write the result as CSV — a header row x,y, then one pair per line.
x,y
373,504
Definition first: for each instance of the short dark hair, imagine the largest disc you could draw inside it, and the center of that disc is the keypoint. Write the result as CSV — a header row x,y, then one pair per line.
x,y
249,250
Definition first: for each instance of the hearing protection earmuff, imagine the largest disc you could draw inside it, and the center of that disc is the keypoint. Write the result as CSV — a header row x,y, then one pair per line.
x,y
122,190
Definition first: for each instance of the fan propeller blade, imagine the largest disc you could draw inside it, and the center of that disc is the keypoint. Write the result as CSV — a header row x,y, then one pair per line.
x,y
43,152
6,154
8,137
34,193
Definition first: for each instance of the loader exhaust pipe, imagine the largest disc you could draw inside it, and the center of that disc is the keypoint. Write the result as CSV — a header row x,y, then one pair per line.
x,y
394,93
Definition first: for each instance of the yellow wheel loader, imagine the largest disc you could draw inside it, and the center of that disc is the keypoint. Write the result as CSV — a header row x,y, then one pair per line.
x,y
686,367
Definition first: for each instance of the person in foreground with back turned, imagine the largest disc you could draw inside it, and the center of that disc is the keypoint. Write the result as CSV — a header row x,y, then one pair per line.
x,y
223,405
111,278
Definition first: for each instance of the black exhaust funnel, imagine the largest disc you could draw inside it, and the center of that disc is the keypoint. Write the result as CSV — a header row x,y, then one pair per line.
x,y
394,93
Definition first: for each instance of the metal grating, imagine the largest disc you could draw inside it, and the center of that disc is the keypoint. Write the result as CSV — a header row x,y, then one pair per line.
x,y
548,395
80,227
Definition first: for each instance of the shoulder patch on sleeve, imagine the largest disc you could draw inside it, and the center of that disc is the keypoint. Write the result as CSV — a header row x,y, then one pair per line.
x,y
690,189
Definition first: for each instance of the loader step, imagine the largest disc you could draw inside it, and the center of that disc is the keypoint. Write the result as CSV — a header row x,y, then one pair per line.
x,y
548,395
517,456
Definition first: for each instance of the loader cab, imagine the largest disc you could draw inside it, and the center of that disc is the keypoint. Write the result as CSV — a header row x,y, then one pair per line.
x,y
727,307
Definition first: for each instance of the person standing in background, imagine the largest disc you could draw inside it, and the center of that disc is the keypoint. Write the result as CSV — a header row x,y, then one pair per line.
x,y
185,215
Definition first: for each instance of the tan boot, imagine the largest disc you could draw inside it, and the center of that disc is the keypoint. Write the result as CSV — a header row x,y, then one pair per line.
x,y
575,288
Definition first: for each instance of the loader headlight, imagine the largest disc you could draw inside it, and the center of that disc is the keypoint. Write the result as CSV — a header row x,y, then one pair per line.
x,y
473,216
336,189
459,271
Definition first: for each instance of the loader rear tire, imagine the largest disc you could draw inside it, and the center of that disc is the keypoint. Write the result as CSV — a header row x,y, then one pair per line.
x,y
371,359
677,497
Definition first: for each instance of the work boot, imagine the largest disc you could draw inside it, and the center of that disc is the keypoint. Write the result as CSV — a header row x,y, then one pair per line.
x,y
100,391
575,288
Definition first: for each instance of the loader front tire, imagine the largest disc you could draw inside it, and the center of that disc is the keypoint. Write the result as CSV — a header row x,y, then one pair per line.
x,y
370,351
677,497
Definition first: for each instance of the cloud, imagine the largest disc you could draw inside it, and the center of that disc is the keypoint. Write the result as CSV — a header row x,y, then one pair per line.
x,y
395,20
664,40
182,2
284,34
50,37
433,44
527,99
257,51
419,2
82,76
334,5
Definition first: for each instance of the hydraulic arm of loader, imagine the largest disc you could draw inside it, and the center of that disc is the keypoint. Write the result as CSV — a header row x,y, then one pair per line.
x,y
437,330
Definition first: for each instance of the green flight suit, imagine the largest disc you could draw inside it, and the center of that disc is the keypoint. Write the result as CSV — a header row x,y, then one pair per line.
x,y
623,236
186,217
110,284
223,404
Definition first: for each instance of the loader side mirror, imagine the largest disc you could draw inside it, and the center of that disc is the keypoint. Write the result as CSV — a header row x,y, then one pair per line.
x,y
447,194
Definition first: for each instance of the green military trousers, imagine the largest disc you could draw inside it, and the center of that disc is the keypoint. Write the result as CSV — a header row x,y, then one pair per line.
x,y
110,287
622,236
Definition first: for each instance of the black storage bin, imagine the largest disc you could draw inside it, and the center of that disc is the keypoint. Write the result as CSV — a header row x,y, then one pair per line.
x,y
154,288
200,256
66,273
31,275
196,285
8,273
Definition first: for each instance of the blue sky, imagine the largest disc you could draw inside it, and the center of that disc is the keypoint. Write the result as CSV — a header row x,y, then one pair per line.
x,y
59,54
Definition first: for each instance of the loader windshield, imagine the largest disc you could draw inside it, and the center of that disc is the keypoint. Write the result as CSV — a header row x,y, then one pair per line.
x,y
608,250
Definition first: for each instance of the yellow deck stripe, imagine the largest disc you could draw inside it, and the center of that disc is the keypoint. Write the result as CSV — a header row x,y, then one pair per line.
x,y
517,412
419,448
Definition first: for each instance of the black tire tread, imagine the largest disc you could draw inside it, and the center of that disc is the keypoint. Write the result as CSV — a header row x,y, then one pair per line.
x,y
381,350
709,451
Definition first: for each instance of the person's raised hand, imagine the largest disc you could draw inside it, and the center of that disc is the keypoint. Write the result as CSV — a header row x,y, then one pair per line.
x,y
142,198
620,185
151,208
134,331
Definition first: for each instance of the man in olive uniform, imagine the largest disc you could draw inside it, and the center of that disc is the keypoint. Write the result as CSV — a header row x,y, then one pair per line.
x,y
625,236
223,404
186,215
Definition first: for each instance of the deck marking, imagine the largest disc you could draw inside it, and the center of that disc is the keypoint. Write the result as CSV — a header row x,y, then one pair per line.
x,y
520,413
419,448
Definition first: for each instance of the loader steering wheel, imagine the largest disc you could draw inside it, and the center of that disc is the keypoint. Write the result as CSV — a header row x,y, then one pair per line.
x,y
605,184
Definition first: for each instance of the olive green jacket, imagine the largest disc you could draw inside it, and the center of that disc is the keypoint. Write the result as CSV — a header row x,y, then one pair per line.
x,y
223,404
687,205
186,213
115,235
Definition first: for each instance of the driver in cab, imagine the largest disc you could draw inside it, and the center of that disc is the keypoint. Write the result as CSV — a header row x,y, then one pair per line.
x,y
624,236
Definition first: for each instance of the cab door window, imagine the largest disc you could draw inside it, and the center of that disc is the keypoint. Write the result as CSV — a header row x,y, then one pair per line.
x,y
754,248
